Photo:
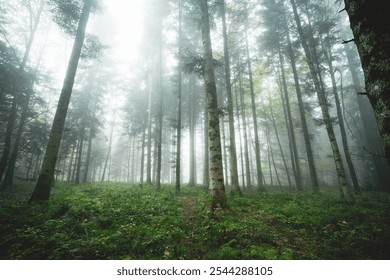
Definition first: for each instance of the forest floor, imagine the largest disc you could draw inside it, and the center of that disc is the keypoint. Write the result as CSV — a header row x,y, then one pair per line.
x,y
119,221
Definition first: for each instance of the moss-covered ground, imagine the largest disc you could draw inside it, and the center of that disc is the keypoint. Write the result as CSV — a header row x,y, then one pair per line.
x,y
121,221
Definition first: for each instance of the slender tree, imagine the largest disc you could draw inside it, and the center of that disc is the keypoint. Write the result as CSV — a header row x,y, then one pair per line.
x,y
46,176
179,101
260,185
232,140
324,107
216,184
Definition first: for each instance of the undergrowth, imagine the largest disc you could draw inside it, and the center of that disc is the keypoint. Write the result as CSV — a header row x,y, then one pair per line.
x,y
119,221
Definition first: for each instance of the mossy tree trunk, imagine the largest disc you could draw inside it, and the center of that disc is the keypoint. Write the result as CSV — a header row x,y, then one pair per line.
x,y
216,180
371,30
46,176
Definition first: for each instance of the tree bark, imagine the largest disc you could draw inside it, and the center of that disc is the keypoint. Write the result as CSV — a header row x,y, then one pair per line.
x,y
216,183
370,27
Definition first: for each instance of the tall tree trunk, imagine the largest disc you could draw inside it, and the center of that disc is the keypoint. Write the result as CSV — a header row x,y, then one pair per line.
x,y
206,154
178,128
245,126
290,126
106,162
279,144
216,184
46,176
344,190
142,156
260,185
302,114
347,153
290,147
235,188
160,110
70,166
369,24
236,91
192,179
371,132
149,147
88,157
80,156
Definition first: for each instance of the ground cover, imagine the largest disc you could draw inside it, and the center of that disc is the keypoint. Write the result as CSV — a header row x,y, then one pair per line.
x,y
121,221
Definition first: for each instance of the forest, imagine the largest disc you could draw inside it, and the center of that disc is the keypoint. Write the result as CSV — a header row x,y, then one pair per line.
x,y
194,129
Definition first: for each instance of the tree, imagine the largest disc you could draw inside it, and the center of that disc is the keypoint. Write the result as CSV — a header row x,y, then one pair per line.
x,y
316,76
233,154
46,176
216,181
370,27
179,104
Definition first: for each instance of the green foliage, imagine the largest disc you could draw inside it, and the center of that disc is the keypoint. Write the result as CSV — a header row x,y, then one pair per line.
x,y
119,221
93,49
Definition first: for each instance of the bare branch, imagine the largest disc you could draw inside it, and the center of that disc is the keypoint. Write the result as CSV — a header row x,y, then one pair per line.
x,y
348,41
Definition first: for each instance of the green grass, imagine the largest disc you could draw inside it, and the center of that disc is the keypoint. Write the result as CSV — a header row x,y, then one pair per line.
x,y
118,221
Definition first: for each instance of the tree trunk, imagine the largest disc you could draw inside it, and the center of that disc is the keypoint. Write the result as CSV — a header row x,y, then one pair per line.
x,y
347,153
216,184
235,188
371,135
80,156
280,145
106,162
260,185
206,156
369,24
290,126
192,180
344,190
149,147
302,114
142,156
46,176
88,158
245,126
239,134
178,128
160,111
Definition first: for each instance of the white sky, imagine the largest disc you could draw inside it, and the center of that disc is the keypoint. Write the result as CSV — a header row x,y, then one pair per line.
x,y
123,20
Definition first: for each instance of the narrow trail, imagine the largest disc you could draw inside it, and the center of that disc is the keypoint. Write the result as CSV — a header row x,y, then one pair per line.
x,y
191,217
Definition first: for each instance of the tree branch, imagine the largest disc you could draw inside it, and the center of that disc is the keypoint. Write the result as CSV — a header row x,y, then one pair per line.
x,y
348,41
